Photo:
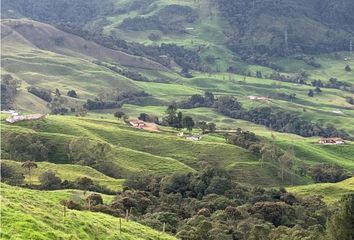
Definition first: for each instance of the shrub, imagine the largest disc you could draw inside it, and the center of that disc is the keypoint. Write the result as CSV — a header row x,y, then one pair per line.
x,y
11,174
49,180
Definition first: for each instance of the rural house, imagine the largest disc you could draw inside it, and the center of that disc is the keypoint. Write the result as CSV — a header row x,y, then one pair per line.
x,y
137,123
19,118
331,141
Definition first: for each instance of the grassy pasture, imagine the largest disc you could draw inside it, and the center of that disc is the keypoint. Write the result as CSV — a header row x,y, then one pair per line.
x,y
31,214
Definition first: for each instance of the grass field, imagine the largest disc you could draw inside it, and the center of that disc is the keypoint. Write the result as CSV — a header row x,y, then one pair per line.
x,y
136,150
71,172
37,215
331,192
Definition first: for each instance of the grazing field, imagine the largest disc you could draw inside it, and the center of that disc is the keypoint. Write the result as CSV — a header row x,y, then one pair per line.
x,y
71,172
135,150
331,192
31,214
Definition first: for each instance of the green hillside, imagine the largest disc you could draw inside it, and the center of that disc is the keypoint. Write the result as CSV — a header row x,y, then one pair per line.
x,y
71,172
31,214
331,192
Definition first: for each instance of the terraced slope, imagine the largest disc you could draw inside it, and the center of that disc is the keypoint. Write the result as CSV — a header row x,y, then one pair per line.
x,y
37,215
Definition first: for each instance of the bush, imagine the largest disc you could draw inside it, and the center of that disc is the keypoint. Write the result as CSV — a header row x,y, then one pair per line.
x,y
44,94
12,175
72,93
328,173
49,180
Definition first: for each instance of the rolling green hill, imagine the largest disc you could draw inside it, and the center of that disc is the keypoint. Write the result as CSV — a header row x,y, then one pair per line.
x,y
31,214
331,192
71,172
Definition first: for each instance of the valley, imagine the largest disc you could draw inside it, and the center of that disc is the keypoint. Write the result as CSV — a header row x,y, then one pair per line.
x,y
240,99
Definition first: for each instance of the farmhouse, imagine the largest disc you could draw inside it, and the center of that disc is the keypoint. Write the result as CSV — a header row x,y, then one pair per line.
x,y
331,141
257,98
138,123
194,137
19,118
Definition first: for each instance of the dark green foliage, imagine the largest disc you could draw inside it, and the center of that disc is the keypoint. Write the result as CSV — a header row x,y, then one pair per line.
x,y
340,226
311,26
148,118
310,93
348,68
25,146
95,199
170,19
328,173
11,174
72,93
275,119
44,94
119,114
97,155
196,101
49,180
188,123
188,208
97,104
9,89
350,100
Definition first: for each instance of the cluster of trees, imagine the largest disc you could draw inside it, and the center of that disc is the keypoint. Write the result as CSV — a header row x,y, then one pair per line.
x,y
170,19
208,205
9,90
326,172
14,174
276,119
25,146
333,83
99,104
197,100
115,99
205,126
249,18
177,120
299,78
127,73
245,139
267,151
97,155
42,93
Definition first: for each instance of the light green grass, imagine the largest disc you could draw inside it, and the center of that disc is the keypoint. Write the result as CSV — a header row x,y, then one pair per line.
x,y
71,172
331,192
37,215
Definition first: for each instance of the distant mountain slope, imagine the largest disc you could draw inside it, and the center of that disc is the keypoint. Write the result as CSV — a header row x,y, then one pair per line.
x,y
257,26
47,37
278,27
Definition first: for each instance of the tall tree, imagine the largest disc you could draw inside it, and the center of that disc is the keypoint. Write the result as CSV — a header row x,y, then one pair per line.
x,y
341,224
286,162
188,123
29,165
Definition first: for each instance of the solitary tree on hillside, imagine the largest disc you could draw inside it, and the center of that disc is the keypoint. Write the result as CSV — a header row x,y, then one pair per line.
x,y
29,165
211,127
310,93
119,114
65,204
318,90
348,68
203,126
188,123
